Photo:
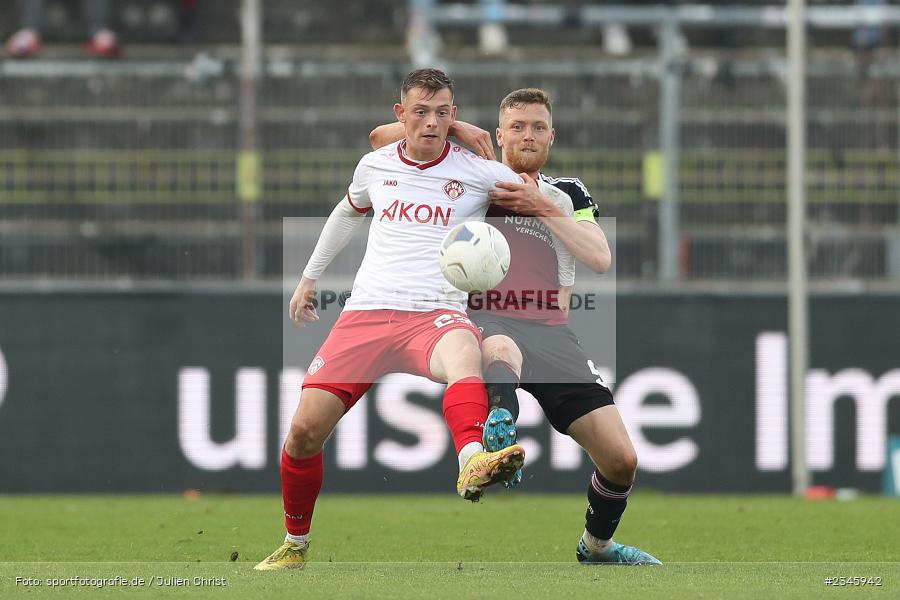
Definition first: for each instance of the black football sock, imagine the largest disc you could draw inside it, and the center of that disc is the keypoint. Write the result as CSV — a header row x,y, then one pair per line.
x,y
606,503
502,381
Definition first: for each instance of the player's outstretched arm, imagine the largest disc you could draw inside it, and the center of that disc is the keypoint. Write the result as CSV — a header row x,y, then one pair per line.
x,y
385,134
473,137
338,229
585,240
466,134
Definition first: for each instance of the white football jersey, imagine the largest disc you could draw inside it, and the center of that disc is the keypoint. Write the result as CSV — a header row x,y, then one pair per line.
x,y
414,205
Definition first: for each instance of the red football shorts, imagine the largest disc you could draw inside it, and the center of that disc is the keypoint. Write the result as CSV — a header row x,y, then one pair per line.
x,y
365,344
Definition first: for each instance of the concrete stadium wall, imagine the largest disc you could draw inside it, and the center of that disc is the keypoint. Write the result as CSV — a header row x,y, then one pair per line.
x,y
165,391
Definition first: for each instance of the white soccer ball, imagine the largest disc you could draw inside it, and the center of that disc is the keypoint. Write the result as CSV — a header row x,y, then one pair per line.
x,y
474,256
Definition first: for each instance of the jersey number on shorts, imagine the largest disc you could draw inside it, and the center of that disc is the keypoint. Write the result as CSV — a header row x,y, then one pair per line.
x,y
448,319
598,372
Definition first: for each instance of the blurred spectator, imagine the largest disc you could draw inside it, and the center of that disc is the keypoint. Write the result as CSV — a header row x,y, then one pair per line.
x,y
873,90
868,37
492,39
101,41
187,22
423,41
616,41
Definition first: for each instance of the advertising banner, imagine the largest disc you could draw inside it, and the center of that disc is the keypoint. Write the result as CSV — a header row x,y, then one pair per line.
x,y
161,391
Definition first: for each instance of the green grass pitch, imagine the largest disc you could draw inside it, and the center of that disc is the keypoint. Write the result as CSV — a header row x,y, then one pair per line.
x,y
414,546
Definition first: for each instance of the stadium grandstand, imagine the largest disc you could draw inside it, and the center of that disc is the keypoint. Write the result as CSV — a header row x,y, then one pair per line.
x,y
127,168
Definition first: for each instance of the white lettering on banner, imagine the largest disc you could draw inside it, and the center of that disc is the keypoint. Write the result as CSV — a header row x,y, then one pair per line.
x,y
871,397
895,462
290,384
355,450
530,415
771,402
350,435
427,425
565,453
352,441
4,377
248,447
683,411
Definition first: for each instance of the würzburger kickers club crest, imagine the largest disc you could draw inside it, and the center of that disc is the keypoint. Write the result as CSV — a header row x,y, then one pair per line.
x,y
454,189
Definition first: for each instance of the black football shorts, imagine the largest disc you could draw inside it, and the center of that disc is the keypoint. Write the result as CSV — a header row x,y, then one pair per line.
x,y
555,369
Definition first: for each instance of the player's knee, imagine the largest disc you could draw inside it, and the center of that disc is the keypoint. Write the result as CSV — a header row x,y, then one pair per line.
x,y
627,464
472,353
303,439
630,462
621,466
498,349
501,354
466,362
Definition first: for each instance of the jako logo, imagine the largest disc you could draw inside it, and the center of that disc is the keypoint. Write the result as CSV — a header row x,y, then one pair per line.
x,y
3,377
391,182
422,213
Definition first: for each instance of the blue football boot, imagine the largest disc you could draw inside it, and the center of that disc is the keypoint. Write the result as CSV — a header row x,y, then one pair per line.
x,y
617,554
499,433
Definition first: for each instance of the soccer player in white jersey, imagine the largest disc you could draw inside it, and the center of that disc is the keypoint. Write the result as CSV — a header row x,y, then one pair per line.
x,y
402,315
534,348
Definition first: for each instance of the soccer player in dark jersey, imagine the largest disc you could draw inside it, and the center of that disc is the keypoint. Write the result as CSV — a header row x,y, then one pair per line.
x,y
536,350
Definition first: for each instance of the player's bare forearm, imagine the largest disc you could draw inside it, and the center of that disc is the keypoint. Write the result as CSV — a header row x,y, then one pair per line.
x,y
473,137
524,198
469,135
386,134
584,239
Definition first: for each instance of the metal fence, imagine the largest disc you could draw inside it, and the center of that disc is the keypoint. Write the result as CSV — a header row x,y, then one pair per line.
x,y
133,169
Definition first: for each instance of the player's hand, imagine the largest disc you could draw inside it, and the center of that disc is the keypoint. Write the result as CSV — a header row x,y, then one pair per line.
x,y
476,138
523,198
302,310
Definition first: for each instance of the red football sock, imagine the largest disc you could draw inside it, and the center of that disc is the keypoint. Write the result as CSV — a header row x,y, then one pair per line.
x,y
301,480
465,410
